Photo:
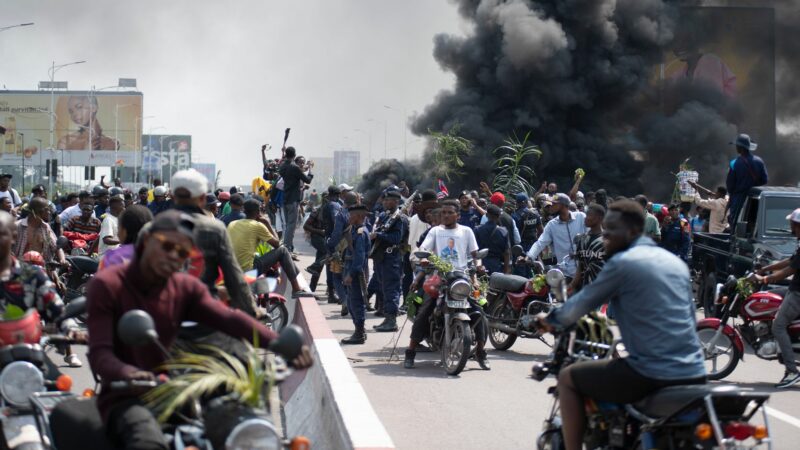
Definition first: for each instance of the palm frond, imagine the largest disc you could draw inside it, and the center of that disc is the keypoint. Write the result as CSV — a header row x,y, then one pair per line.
x,y
512,168
200,374
449,150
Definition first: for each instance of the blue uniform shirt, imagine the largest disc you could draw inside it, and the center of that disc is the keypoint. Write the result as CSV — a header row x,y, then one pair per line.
x,y
468,218
356,256
495,238
676,237
340,222
393,235
651,293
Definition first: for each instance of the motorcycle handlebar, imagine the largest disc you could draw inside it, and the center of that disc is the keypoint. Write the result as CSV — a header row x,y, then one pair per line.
x,y
129,384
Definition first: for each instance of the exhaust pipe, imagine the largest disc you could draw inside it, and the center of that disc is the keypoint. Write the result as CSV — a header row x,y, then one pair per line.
x,y
503,327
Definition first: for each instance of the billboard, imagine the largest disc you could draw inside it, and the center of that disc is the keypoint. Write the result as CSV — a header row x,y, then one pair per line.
x,y
209,170
89,128
165,154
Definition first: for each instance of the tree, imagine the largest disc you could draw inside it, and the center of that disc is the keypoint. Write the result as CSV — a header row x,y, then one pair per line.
x,y
449,149
512,166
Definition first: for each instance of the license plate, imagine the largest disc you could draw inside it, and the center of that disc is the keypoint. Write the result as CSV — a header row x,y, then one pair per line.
x,y
455,304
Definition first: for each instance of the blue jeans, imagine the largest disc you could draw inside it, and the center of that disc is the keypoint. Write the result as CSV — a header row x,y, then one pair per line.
x,y
789,311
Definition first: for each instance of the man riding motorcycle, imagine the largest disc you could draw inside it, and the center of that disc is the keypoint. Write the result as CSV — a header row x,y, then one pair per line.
x,y
436,242
790,307
152,282
651,293
26,286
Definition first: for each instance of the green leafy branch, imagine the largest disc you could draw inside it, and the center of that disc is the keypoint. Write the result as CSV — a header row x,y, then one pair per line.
x,y
513,167
442,265
449,151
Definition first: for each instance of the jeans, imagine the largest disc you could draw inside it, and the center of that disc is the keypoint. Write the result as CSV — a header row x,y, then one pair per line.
x,y
789,311
279,255
421,327
290,224
133,427
355,300
318,242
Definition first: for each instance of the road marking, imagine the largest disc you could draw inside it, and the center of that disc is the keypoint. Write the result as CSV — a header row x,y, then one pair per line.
x,y
791,420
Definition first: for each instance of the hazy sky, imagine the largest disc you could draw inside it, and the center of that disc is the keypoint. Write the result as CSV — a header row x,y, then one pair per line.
x,y
234,74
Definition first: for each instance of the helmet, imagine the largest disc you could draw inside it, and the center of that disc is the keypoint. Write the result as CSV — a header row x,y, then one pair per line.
x,y
34,258
115,191
26,329
97,191
431,285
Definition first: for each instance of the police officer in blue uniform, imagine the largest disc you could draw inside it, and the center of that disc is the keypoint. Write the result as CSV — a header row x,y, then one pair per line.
x,y
387,249
355,265
329,213
494,237
530,226
340,226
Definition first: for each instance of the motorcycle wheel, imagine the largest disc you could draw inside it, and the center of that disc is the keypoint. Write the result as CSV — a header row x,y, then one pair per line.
x,y
457,347
724,351
550,440
279,315
500,340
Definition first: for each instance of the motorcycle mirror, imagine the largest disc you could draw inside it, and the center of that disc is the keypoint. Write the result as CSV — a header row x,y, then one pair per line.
x,y
62,242
422,254
554,277
136,328
289,343
75,308
517,251
480,254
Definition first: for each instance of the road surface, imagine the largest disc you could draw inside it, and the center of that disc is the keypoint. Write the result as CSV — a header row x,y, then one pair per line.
x,y
423,408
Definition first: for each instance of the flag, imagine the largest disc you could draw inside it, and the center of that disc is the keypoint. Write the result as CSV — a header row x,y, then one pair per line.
x,y
442,190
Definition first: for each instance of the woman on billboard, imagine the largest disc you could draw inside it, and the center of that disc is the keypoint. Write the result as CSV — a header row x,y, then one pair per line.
x,y
83,112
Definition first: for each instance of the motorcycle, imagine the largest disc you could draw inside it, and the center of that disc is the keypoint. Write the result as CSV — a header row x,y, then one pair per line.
x,y
451,325
212,421
80,270
264,288
723,340
514,303
26,372
677,417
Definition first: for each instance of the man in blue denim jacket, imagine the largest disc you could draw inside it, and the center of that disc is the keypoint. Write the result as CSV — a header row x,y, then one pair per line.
x,y
651,293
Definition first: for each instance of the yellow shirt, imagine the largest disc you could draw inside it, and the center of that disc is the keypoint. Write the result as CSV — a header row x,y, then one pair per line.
x,y
245,237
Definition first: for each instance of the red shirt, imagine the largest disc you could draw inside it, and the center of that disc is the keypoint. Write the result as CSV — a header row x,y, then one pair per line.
x,y
122,288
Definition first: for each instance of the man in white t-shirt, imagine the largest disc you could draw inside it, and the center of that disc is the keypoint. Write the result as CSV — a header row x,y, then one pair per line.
x,y
109,230
7,191
456,244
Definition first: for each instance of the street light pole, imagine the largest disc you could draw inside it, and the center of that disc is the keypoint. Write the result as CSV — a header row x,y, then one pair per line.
x,y
52,71
16,26
22,143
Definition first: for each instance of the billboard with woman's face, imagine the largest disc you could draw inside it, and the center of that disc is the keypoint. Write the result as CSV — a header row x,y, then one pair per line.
x,y
89,128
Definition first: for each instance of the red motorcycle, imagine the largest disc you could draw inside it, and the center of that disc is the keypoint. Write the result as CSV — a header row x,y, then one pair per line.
x,y
514,303
723,340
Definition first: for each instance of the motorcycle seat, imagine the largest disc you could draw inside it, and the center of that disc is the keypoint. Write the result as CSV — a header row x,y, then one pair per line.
x,y
83,263
782,291
76,423
669,400
507,283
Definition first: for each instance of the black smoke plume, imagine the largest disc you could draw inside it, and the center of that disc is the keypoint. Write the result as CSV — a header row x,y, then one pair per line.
x,y
385,173
578,74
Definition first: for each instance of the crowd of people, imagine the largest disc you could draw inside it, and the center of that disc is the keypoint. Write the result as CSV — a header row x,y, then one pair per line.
x,y
150,236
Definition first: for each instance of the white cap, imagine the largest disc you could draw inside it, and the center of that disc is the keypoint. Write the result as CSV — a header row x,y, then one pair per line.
x,y
345,187
794,216
191,180
159,191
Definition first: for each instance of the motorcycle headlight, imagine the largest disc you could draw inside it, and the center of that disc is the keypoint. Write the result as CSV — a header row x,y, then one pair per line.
x,y
253,433
460,290
19,380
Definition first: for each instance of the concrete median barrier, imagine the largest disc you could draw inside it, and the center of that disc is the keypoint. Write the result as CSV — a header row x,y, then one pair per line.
x,y
327,403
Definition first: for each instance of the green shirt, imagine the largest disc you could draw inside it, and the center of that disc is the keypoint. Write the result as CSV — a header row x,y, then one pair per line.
x,y
651,227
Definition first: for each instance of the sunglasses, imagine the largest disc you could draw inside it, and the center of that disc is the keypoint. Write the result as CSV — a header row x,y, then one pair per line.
x,y
168,246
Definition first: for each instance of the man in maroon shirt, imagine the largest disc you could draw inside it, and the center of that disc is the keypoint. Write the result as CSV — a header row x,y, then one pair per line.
x,y
152,282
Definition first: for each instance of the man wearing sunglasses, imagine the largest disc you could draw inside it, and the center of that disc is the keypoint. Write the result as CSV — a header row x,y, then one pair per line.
x,y
153,282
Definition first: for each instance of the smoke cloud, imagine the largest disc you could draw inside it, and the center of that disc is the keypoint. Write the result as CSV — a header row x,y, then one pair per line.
x,y
385,173
578,74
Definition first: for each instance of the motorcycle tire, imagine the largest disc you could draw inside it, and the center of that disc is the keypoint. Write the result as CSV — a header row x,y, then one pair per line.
x,y
280,315
456,350
734,354
550,440
500,340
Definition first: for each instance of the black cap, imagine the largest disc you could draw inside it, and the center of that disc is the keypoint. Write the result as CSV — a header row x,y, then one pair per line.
x,y
6,175
357,208
463,193
174,220
393,194
334,190
211,199
143,190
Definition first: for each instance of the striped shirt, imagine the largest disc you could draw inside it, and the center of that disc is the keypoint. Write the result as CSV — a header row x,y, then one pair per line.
x,y
76,224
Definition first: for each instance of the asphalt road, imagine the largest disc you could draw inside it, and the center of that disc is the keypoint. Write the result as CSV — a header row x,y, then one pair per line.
x,y
423,408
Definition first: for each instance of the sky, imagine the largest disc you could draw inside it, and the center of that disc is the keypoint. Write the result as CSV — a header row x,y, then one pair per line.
x,y
235,74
